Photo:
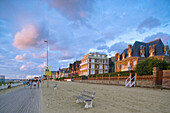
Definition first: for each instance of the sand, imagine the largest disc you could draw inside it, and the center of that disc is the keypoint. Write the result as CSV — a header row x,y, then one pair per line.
x,y
108,99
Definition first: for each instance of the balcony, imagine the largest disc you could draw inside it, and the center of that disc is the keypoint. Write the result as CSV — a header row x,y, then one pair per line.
x,y
83,63
83,69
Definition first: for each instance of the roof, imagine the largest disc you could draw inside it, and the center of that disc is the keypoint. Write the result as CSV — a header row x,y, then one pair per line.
x,y
159,48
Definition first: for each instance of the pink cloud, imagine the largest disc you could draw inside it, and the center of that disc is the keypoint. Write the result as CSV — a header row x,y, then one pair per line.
x,y
43,55
73,9
21,57
27,38
28,65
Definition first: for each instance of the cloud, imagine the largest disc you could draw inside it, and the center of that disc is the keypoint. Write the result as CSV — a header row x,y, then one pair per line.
x,y
119,47
100,41
21,57
41,66
148,23
28,65
66,55
73,9
42,55
163,36
103,47
30,37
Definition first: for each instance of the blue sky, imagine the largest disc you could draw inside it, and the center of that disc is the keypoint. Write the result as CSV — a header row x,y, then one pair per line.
x,y
73,29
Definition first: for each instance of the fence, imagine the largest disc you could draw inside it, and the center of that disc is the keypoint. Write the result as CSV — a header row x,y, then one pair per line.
x,y
159,78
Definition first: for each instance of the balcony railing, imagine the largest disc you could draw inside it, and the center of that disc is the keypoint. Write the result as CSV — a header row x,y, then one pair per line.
x,y
83,63
83,69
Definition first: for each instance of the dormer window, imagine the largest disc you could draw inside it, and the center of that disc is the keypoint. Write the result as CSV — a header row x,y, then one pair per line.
x,y
142,51
123,56
166,49
117,56
151,50
129,52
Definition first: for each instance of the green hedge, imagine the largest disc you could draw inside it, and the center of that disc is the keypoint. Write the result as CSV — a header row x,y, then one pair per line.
x,y
145,67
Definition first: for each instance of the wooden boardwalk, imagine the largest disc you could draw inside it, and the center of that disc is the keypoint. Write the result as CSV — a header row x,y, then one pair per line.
x,y
21,101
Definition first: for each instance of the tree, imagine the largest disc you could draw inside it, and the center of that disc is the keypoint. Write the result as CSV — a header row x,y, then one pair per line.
x,y
145,67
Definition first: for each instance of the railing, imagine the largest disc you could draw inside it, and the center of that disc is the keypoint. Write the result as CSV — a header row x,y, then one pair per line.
x,y
12,85
83,63
130,81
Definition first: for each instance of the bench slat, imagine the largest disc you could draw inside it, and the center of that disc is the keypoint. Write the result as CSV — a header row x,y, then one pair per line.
x,y
87,96
81,97
93,93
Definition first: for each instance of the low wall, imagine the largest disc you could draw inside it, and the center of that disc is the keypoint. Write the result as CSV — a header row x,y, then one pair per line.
x,y
166,79
156,80
104,80
144,81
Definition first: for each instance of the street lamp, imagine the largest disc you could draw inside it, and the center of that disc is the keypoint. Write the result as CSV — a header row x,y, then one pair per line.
x,y
47,60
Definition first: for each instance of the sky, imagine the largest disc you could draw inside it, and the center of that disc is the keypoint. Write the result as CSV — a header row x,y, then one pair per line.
x,y
73,28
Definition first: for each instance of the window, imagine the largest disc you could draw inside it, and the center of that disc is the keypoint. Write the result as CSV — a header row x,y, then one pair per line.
x,y
92,71
129,54
105,67
100,55
92,66
118,66
101,71
92,60
122,65
100,60
134,63
101,66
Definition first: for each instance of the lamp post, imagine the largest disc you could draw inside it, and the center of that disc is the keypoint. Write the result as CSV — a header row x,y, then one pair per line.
x,y
47,61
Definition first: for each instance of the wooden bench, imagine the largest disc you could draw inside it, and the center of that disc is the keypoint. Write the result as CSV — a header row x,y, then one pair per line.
x,y
86,97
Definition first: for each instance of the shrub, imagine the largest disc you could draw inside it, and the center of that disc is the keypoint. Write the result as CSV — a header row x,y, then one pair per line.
x,y
145,67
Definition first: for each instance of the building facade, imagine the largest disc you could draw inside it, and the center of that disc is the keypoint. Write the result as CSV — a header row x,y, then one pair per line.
x,y
128,59
112,64
74,68
64,72
94,63
53,74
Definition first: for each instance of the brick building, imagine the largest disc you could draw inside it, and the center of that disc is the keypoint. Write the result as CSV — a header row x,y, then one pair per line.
x,y
128,59
63,72
94,63
74,68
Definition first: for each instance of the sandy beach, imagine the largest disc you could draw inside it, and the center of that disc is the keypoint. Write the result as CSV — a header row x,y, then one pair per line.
x,y
108,99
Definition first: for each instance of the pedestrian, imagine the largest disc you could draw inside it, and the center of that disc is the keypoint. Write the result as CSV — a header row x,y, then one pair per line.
x,y
30,84
34,84
24,83
38,83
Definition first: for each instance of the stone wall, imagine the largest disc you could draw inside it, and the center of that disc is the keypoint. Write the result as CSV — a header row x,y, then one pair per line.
x,y
166,79
160,78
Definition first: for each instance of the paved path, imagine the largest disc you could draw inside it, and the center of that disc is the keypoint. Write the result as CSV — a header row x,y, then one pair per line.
x,y
21,101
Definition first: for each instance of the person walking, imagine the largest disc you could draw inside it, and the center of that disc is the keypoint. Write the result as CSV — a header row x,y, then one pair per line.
x,y
30,84
38,84
34,84
24,83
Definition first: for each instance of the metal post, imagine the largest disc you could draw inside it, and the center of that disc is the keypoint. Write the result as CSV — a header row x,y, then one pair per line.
x,y
47,62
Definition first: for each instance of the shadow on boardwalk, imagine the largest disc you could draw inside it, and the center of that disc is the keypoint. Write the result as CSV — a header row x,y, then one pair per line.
x,y
21,101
